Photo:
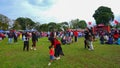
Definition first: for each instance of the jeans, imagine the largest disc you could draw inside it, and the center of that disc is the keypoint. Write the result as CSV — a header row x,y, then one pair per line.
x,y
9,40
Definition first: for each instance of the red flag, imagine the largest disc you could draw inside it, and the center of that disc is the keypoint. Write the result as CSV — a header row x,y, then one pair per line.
x,y
89,23
116,22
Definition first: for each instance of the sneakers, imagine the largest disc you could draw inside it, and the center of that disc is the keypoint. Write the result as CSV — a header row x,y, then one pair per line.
x,y
57,58
31,48
34,48
90,49
49,64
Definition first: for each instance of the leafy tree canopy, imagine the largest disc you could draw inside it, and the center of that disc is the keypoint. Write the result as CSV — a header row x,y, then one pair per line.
x,y
4,22
25,23
103,15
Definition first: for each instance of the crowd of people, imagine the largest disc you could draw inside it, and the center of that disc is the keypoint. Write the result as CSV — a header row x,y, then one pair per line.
x,y
65,37
55,48
25,36
112,37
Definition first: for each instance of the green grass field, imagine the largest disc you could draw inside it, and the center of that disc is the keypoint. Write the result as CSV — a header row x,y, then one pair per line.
x,y
104,56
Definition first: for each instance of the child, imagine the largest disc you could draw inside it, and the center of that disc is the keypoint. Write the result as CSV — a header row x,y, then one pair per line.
x,y
26,42
51,52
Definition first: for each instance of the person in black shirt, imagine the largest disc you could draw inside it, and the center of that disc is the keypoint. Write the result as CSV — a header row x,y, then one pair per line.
x,y
15,37
86,41
34,40
26,42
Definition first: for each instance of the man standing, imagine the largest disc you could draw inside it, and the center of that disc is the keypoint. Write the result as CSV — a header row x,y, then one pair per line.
x,y
34,40
10,37
75,35
86,41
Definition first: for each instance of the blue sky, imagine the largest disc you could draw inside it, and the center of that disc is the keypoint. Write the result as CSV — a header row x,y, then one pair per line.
x,y
45,11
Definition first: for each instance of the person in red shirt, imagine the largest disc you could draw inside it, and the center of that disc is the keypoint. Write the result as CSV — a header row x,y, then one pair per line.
x,y
116,35
51,52
58,48
75,35
57,45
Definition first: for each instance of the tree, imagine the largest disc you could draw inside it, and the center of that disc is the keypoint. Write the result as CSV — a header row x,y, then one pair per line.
x,y
43,27
29,23
74,24
21,22
16,25
0,25
64,25
82,24
37,26
52,26
103,15
58,27
4,22
5,26
25,23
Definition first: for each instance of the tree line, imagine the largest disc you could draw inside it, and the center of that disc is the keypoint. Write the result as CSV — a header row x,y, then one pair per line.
x,y
24,23
103,15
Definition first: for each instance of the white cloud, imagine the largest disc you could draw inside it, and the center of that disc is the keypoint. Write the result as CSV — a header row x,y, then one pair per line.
x,y
65,10
59,10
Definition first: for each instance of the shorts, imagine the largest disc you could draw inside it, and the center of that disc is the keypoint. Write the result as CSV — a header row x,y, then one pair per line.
x,y
51,57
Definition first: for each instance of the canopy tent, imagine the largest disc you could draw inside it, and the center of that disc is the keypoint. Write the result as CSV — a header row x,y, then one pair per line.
x,y
1,31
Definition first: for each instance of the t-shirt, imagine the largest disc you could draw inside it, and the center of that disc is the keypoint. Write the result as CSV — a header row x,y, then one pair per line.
x,y
86,35
25,38
56,42
51,52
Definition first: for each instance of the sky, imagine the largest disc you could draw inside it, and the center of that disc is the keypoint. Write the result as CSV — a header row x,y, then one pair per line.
x,y
45,11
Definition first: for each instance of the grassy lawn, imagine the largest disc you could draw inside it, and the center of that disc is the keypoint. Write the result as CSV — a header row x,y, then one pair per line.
x,y
104,56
